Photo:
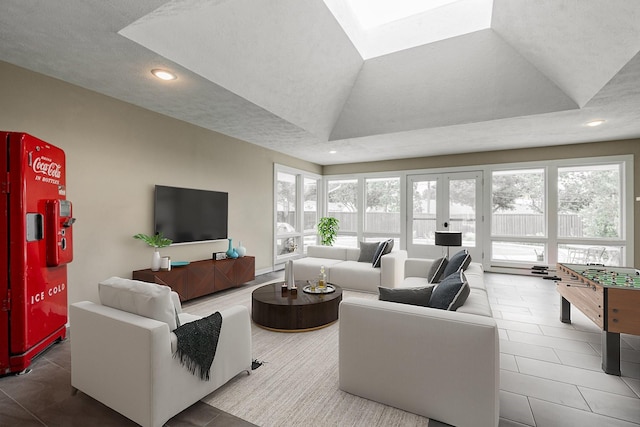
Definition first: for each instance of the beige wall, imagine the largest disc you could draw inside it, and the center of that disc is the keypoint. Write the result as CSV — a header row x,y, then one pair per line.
x,y
116,153
594,149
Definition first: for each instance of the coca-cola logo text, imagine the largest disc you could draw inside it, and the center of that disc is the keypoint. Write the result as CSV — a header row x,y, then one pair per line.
x,y
46,166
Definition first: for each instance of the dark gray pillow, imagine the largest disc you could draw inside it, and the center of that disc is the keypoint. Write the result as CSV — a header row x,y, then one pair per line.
x,y
382,247
414,296
389,246
459,262
451,293
367,251
437,268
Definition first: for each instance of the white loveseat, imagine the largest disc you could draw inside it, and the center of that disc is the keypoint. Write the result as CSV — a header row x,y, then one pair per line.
x,y
343,269
125,360
444,365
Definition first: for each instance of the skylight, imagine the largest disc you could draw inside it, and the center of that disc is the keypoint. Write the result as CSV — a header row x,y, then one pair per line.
x,y
380,27
374,13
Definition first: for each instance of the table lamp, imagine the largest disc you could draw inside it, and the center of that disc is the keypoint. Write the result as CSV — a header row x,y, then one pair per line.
x,y
448,238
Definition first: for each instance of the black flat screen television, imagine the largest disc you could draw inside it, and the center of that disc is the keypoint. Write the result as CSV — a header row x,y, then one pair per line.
x,y
188,215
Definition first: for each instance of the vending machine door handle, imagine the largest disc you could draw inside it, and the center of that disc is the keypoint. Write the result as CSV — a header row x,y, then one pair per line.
x,y
69,222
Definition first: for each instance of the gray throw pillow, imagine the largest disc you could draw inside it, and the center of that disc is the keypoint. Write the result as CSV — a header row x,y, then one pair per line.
x,y
458,262
451,293
367,251
414,296
437,269
383,249
389,247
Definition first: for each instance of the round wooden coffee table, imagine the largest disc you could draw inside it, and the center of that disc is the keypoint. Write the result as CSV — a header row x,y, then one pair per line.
x,y
287,312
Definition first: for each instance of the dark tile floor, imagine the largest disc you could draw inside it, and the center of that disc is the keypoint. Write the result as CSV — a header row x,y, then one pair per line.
x,y
44,397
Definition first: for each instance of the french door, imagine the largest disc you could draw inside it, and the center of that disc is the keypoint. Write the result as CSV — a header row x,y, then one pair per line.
x,y
444,202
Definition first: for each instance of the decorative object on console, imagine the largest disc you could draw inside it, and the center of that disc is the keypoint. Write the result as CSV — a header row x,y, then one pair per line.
x,y
448,238
328,230
156,241
156,262
241,250
231,252
179,263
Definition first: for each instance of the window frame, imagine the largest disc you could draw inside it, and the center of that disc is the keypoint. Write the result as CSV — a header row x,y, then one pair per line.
x,y
299,234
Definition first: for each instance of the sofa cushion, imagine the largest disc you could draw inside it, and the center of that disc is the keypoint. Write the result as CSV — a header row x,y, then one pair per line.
x,y
450,293
367,251
383,249
458,262
355,275
412,296
331,252
436,270
475,276
141,298
477,303
309,268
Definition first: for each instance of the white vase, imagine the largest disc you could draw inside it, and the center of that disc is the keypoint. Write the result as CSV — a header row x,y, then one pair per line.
x,y
155,260
241,250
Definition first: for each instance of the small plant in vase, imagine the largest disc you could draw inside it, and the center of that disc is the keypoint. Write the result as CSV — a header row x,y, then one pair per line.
x,y
328,230
156,241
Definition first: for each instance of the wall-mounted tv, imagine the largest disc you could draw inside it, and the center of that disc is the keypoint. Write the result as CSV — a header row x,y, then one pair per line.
x,y
188,215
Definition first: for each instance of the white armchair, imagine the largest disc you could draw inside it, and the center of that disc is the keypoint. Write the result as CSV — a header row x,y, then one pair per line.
x,y
125,360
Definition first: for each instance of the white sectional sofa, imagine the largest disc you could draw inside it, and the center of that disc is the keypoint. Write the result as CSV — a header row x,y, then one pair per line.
x,y
126,360
343,269
444,365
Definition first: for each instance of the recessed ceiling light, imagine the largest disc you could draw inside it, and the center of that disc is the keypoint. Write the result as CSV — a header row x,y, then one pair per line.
x,y
594,123
332,152
163,74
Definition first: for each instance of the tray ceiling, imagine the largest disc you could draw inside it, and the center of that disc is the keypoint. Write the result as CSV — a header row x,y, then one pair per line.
x,y
285,75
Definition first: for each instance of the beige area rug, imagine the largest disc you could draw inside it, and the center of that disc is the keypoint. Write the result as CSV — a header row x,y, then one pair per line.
x,y
298,383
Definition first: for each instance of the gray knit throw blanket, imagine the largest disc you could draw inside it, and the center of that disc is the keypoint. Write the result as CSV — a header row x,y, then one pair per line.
x,y
197,343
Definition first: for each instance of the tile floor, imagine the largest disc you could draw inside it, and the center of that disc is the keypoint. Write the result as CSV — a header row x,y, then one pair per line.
x,y
550,373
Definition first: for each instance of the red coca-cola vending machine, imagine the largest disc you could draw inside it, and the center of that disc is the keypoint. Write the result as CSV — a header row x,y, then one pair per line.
x,y
35,247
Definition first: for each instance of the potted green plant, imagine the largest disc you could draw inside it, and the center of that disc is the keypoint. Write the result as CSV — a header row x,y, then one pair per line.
x,y
156,241
328,230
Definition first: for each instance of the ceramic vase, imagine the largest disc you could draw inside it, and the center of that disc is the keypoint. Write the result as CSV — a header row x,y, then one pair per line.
x,y
155,260
230,252
241,250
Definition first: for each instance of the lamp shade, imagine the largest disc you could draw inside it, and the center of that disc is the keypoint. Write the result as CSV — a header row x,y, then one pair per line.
x,y
448,238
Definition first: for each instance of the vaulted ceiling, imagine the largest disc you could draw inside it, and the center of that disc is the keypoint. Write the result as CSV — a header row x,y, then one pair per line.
x,y
285,75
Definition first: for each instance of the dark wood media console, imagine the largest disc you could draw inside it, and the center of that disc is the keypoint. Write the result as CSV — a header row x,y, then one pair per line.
x,y
201,278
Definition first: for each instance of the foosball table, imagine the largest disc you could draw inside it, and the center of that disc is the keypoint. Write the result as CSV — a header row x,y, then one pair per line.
x,y
609,296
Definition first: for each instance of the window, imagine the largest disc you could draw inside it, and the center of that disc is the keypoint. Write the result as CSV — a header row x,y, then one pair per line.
x,y
286,213
342,198
382,209
589,202
296,216
310,223
568,211
518,208
589,214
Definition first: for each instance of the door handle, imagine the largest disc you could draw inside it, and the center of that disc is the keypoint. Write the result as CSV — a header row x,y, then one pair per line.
x,y
446,225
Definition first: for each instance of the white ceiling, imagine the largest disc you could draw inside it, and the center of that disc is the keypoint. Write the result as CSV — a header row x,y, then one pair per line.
x,y
283,74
